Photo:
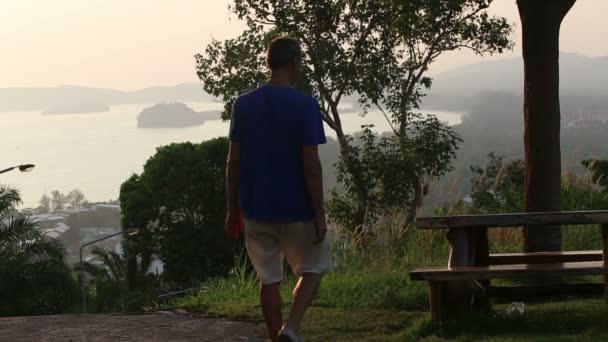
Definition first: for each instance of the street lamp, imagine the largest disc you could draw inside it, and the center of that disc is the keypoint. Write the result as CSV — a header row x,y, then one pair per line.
x,y
131,231
22,168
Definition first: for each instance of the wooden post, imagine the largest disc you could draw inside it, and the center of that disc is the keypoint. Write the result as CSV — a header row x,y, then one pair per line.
x,y
605,249
540,24
458,292
481,301
483,248
459,248
438,301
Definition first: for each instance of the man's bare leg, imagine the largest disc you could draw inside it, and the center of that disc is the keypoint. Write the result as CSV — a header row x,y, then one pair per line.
x,y
270,300
303,295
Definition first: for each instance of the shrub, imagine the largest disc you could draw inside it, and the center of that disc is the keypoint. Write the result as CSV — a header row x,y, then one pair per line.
x,y
34,277
179,204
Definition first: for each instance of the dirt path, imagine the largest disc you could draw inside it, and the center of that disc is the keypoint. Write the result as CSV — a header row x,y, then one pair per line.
x,y
119,328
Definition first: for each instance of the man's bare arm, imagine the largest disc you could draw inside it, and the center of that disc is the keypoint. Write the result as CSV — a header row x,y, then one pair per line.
x,y
313,173
233,172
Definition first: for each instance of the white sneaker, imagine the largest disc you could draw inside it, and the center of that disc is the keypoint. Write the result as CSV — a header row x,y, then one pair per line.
x,y
288,335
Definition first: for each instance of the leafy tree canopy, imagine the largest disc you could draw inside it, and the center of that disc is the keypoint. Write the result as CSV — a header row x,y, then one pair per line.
x,y
378,49
179,204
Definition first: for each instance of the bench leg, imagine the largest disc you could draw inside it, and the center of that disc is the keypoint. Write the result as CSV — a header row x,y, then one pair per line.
x,y
606,287
605,257
459,292
438,301
481,302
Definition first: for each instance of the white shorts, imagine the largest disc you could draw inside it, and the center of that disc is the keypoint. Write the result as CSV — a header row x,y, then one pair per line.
x,y
268,242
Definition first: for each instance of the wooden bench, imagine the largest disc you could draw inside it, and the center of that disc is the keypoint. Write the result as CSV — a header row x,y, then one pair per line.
x,y
464,285
544,257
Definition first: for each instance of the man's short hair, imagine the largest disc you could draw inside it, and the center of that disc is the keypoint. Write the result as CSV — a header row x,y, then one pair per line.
x,y
282,51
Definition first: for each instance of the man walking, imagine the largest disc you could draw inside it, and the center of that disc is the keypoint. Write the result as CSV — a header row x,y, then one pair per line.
x,y
274,178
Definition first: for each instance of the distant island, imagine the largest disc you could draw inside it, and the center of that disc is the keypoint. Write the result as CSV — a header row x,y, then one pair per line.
x,y
172,115
77,108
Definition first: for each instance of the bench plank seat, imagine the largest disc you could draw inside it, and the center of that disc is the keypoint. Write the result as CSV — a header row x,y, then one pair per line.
x,y
513,220
544,257
510,271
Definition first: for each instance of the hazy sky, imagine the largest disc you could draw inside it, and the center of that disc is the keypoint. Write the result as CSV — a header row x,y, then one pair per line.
x,y
128,44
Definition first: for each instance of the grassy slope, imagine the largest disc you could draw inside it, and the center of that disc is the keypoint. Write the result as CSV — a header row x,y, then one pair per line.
x,y
572,320
370,298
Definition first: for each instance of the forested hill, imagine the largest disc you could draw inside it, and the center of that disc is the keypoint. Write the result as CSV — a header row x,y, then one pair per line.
x,y
494,124
582,77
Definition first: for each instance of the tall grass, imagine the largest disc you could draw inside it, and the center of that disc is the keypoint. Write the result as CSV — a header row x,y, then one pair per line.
x,y
239,286
372,278
371,269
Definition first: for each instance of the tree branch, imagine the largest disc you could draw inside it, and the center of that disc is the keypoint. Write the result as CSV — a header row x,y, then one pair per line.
x,y
386,117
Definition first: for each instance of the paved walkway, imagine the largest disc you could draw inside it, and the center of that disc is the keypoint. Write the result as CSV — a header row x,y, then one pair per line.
x,y
119,328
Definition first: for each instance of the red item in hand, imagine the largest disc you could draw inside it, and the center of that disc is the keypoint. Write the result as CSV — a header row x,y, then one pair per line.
x,y
234,226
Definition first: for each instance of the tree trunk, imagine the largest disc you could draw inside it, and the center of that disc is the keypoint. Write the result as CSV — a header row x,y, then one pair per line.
x,y
541,21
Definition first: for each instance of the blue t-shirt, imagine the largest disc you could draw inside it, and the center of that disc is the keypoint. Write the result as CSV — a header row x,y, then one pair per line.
x,y
272,124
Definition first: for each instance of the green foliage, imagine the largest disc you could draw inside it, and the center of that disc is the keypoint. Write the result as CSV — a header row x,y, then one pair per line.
x,y
113,267
581,193
35,279
44,205
582,238
240,284
498,187
179,205
412,37
58,201
75,199
375,280
368,297
599,171
380,50
233,67
334,36
109,292
138,209
384,175
491,111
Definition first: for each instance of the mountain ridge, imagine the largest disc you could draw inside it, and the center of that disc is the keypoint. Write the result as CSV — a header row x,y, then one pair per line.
x,y
455,89
42,98
452,90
